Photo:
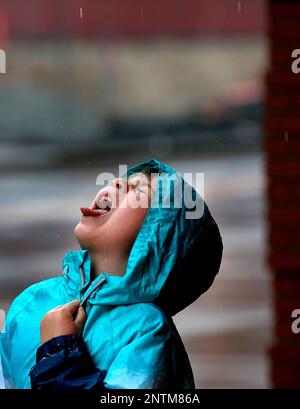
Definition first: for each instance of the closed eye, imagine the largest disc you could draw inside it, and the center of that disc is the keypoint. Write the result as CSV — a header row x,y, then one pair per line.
x,y
136,187
140,190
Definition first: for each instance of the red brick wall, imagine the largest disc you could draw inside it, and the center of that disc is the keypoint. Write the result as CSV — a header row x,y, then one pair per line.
x,y
133,18
3,27
282,145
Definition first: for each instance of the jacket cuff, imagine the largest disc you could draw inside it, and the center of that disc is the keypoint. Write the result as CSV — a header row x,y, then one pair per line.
x,y
66,343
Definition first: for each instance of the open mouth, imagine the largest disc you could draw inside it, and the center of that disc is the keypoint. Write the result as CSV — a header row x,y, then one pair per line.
x,y
99,208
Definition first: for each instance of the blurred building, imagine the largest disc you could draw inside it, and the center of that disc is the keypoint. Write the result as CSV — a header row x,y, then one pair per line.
x,y
130,72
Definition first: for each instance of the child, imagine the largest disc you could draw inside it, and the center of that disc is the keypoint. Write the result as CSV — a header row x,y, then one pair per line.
x,y
137,268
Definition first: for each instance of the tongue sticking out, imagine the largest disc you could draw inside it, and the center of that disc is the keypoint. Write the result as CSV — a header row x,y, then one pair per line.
x,y
86,211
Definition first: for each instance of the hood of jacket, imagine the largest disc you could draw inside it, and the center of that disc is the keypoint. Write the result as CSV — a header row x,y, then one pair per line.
x,y
175,256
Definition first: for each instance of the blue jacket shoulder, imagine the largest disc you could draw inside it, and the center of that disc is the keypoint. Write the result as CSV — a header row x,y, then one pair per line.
x,y
27,296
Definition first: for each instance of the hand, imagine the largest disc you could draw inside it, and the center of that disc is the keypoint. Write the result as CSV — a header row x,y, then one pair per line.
x,y
63,320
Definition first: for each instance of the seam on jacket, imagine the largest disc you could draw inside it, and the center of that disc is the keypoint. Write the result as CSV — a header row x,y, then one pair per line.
x,y
109,310
179,342
175,337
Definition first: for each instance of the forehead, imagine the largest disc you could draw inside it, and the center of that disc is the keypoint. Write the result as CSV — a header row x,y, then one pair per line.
x,y
138,175
144,178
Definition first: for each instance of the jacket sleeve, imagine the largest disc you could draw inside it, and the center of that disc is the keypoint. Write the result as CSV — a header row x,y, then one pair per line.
x,y
5,362
147,362
64,363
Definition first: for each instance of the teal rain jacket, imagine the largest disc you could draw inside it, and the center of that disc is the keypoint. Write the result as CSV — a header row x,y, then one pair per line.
x,y
129,331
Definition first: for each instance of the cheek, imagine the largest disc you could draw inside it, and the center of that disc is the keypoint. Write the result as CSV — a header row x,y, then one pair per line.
x,y
137,200
126,224
132,218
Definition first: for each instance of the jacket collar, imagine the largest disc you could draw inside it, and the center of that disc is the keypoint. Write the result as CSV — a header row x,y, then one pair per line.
x,y
77,268
77,272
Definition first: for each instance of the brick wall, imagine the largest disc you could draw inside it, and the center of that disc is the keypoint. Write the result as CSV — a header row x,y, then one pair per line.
x,y
133,18
282,146
3,27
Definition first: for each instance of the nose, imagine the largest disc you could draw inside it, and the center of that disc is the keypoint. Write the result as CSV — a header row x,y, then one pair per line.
x,y
120,184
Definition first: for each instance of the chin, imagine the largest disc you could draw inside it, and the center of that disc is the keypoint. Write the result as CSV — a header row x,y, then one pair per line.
x,y
82,235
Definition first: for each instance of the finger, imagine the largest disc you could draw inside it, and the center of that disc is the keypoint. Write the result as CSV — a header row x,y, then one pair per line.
x,y
80,318
72,307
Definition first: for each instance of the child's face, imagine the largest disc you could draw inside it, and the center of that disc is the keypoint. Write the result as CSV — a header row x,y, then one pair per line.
x,y
116,229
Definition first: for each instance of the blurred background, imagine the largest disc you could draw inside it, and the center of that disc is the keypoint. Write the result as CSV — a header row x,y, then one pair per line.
x,y
93,84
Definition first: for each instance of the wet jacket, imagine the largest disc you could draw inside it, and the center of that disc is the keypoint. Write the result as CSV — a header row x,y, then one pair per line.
x,y
129,333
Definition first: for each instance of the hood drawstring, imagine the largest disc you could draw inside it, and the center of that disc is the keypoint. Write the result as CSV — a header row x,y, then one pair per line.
x,y
82,277
84,300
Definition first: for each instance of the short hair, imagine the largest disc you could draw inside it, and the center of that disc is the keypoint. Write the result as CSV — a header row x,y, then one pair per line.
x,y
149,171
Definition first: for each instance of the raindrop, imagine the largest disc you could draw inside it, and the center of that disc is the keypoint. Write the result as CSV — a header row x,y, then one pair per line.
x,y
286,136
